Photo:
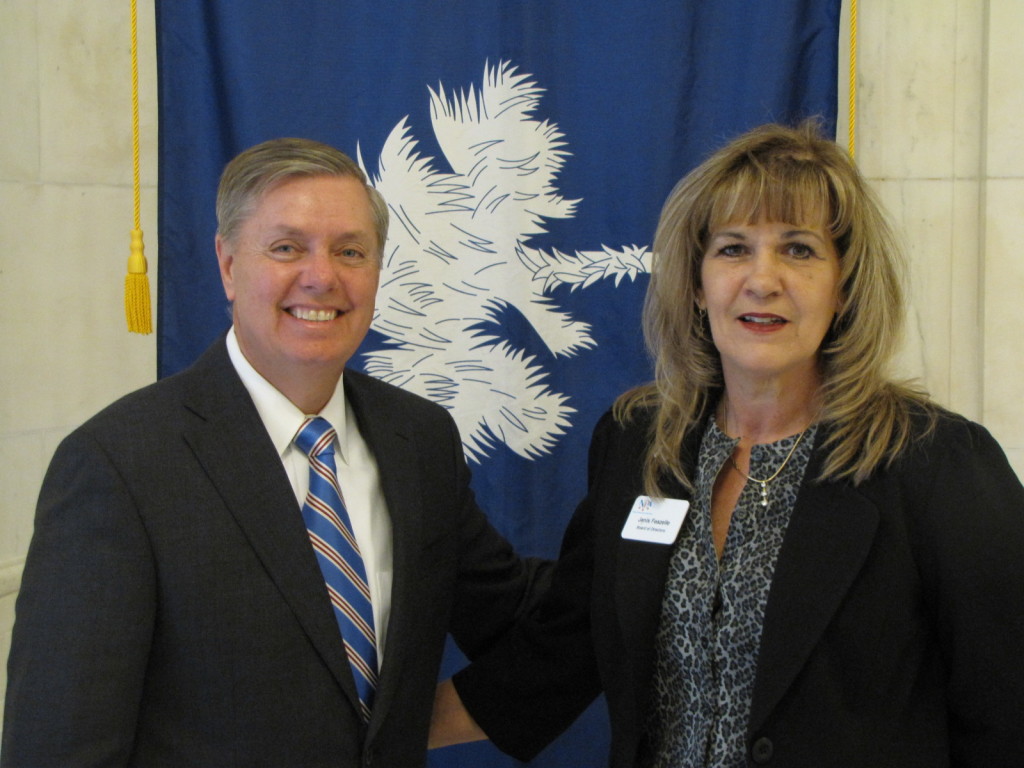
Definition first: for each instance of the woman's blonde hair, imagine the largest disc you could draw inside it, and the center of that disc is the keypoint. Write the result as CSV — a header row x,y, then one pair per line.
x,y
792,175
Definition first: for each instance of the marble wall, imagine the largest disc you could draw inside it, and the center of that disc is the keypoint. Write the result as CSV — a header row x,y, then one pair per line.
x,y
65,218
939,130
939,126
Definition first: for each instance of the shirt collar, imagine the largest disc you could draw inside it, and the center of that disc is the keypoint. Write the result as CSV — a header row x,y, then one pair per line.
x,y
280,416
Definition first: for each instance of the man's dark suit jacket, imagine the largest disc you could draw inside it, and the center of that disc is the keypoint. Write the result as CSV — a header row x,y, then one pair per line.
x,y
172,612
893,634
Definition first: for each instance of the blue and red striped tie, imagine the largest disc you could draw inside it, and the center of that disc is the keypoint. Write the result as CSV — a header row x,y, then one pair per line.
x,y
337,553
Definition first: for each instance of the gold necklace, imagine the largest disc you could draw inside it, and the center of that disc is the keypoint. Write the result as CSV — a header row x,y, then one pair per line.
x,y
764,483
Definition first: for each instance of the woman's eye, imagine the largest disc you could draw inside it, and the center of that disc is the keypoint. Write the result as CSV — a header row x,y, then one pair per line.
x,y
800,250
734,249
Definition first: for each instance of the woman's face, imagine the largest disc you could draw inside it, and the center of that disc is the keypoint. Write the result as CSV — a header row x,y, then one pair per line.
x,y
770,290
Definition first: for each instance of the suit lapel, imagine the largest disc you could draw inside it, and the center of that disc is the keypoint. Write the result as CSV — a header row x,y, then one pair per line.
x,y
639,589
829,536
230,442
642,568
396,455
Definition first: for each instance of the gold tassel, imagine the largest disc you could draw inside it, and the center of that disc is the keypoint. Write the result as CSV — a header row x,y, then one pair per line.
x,y
136,288
137,309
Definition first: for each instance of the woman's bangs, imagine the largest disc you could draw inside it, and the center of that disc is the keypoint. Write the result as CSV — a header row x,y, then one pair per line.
x,y
796,193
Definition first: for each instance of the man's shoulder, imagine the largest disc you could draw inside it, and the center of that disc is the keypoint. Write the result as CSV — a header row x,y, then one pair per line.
x,y
364,389
160,401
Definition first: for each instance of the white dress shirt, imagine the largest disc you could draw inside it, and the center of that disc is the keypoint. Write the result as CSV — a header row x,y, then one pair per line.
x,y
357,475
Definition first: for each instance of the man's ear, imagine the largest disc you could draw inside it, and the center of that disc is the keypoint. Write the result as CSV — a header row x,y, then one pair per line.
x,y
225,262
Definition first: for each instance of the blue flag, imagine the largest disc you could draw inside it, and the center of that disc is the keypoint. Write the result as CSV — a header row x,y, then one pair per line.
x,y
525,149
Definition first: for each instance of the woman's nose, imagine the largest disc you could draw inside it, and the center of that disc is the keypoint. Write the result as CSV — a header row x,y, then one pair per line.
x,y
764,277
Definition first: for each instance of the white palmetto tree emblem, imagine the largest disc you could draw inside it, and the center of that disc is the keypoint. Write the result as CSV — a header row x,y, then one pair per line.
x,y
459,253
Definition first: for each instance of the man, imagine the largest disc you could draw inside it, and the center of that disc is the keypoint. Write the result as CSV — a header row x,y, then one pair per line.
x,y
175,608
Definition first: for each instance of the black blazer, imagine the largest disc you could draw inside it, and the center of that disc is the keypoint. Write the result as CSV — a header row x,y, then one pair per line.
x,y
172,611
892,636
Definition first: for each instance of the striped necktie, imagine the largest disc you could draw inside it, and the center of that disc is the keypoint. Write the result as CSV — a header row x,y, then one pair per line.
x,y
337,553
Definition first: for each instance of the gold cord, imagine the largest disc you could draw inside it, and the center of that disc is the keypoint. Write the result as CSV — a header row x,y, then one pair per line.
x,y
137,308
852,124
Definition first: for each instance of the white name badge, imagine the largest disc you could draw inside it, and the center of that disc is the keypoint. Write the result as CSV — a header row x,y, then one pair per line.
x,y
655,520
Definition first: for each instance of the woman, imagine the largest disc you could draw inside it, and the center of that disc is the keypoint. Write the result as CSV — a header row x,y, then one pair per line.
x,y
846,584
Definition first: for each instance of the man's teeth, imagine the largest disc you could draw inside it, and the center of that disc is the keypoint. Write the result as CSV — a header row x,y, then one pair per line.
x,y
314,315
761,320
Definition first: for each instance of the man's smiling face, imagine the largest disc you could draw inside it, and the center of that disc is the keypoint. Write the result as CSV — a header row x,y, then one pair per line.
x,y
302,272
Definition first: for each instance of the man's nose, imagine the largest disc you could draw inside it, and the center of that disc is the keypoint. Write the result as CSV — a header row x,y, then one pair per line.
x,y
319,269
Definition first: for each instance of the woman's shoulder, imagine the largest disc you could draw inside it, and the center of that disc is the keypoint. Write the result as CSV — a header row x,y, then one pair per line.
x,y
620,435
935,428
616,424
945,444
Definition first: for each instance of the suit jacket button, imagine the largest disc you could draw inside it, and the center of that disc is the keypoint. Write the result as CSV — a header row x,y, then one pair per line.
x,y
762,750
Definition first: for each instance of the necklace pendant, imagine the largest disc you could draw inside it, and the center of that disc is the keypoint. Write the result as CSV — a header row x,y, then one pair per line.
x,y
764,494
